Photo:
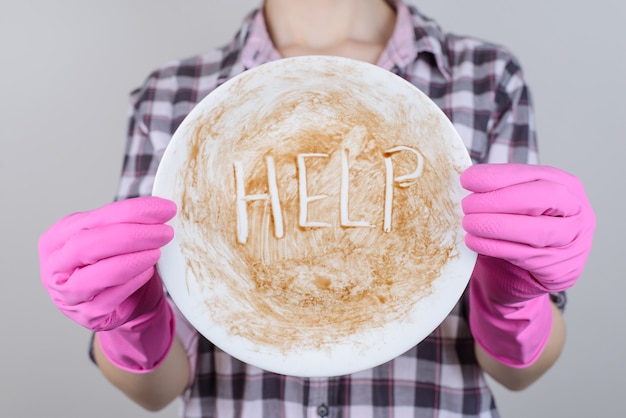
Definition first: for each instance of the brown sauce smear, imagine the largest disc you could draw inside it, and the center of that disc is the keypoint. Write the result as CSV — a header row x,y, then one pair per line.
x,y
315,286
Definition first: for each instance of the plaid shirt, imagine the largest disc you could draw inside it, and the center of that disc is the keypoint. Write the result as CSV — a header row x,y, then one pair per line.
x,y
481,89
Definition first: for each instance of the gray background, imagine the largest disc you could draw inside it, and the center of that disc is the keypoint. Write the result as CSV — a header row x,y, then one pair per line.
x,y
68,66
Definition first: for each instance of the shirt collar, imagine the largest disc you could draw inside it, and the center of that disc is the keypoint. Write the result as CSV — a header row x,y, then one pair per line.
x,y
258,48
413,34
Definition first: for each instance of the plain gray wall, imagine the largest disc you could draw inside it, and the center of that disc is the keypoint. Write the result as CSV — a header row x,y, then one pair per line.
x,y
68,66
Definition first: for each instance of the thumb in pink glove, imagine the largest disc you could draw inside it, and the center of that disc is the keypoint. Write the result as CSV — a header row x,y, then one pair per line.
x,y
98,267
532,227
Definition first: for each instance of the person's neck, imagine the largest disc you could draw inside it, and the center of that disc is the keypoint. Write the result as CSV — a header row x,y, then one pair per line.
x,y
356,29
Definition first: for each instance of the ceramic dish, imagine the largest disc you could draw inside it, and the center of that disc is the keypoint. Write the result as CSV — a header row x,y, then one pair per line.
x,y
319,224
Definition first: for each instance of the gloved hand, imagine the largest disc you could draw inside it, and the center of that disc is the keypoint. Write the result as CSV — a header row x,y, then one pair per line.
x,y
532,227
99,269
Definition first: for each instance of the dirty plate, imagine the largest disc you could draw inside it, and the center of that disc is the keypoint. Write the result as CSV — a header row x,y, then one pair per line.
x,y
319,223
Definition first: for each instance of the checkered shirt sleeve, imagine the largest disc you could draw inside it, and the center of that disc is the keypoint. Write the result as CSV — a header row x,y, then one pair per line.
x,y
161,104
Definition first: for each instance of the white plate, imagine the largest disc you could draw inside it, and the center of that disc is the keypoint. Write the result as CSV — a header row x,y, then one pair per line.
x,y
286,268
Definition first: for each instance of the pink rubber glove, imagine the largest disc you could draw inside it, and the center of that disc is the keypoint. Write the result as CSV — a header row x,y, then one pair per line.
x,y
532,227
98,267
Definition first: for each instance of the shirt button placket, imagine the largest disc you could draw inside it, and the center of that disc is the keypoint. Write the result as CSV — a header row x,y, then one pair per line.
x,y
322,410
318,398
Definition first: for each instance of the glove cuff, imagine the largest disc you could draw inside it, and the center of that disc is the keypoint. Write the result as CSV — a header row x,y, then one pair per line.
x,y
514,331
140,346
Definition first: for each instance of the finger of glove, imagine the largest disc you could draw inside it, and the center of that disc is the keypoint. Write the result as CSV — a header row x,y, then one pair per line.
x,y
511,251
554,268
111,307
89,246
142,210
85,283
535,231
538,197
488,177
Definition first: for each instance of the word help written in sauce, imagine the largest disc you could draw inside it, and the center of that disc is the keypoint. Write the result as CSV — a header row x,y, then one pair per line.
x,y
304,198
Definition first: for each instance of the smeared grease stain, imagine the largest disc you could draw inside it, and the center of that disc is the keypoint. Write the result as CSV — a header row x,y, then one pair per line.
x,y
317,286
